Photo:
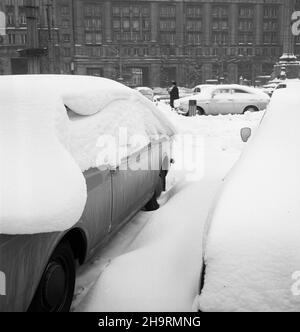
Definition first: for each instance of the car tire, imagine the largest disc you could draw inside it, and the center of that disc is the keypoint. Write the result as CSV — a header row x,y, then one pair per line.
x,y
56,288
250,109
153,205
161,186
200,111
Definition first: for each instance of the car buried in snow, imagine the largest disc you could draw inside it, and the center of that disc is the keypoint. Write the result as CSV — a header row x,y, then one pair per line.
x,y
225,99
252,238
62,194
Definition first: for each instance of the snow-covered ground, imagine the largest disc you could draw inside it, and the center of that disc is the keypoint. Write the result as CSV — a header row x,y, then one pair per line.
x,y
153,263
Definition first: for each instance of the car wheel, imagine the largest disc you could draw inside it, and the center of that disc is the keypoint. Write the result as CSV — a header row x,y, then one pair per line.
x,y
200,111
250,109
56,289
153,205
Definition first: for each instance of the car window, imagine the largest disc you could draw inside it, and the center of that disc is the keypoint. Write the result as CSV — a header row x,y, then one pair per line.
x,y
221,91
197,90
281,86
240,91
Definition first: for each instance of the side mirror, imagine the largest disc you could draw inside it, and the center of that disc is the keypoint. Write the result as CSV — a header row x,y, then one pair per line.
x,y
246,134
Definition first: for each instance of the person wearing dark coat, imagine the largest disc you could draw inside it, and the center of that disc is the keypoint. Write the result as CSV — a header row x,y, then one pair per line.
x,y
174,94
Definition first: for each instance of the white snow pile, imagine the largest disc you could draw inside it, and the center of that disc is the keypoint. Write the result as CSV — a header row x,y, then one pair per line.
x,y
252,251
43,152
162,271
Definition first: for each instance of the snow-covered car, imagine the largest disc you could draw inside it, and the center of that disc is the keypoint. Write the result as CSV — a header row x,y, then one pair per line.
x,y
269,88
147,92
70,179
225,99
252,239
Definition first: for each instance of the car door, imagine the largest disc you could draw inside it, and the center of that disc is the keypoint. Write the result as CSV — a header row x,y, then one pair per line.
x,y
97,213
242,99
132,185
221,102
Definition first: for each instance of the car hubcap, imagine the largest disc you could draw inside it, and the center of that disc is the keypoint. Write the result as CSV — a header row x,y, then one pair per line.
x,y
55,286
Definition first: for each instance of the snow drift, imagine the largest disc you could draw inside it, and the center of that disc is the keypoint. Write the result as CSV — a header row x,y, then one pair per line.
x,y
162,271
43,151
252,249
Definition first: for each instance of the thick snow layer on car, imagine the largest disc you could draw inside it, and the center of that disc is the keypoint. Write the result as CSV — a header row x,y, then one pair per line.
x,y
41,187
252,250
122,128
44,151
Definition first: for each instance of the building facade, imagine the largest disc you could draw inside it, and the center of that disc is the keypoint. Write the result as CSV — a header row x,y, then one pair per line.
x,y
151,42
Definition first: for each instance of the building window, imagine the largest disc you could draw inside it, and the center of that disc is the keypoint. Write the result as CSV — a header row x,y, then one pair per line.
x,y
93,10
194,38
246,38
219,11
65,10
220,25
194,25
194,12
22,16
93,24
246,25
94,71
65,24
98,38
11,39
167,38
126,24
66,38
220,38
23,39
270,38
116,24
246,12
167,11
93,38
66,51
95,51
88,38
271,12
10,19
167,25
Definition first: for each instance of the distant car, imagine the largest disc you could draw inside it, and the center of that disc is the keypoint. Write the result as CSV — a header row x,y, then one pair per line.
x,y
147,92
39,268
251,244
225,99
161,94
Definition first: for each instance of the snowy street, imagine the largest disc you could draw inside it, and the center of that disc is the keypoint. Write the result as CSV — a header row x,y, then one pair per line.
x,y
154,262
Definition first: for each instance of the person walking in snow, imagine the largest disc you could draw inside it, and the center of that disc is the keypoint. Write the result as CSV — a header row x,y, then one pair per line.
x,y
174,94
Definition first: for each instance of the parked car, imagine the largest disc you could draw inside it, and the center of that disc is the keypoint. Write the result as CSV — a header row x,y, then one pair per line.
x,y
251,244
37,270
147,92
161,94
225,99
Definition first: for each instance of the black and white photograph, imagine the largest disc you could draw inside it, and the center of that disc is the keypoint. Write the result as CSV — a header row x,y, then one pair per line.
x,y
149,158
